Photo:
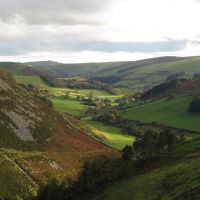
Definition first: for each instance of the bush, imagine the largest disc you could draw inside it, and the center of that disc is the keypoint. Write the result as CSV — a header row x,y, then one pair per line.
x,y
194,106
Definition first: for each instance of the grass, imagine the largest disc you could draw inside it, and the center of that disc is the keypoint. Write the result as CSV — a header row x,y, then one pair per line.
x,y
167,112
108,135
34,80
191,146
175,181
82,92
178,179
68,106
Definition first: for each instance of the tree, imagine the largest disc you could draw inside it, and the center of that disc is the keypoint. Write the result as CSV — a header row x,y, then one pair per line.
x,y
162,141
91,96
194,106
127,153
171,141
78,97
182,138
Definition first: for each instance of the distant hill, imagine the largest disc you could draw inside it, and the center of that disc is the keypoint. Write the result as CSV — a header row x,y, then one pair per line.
x,y
142,74
136,74
17,69
63,70
150,72
174,87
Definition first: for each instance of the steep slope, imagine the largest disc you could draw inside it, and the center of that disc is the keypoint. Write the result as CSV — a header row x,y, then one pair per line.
x,y
175,180
174,87
37,143
26,119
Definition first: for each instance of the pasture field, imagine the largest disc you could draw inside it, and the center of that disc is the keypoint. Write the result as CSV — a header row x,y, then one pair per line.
x,y
108,135
68,106
73,93
34,80
83,92
167,112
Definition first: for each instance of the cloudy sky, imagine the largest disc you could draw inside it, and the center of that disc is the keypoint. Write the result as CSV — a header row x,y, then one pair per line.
x,y
98,30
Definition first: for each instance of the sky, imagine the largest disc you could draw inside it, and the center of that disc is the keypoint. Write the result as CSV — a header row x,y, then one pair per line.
x,y
75,31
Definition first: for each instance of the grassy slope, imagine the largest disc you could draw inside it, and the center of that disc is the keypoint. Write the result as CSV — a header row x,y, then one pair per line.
x,y
153,73
177,180
78,68
108,135
166,183
168,112
14,68
34,80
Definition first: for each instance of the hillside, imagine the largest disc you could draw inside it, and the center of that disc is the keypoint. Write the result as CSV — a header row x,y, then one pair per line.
x,y
177,179
24,118
150,72
37,143
60,70
169,112
174,87
17,69
136,74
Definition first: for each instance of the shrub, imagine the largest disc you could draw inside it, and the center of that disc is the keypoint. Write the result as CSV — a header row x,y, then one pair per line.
x,y
194,106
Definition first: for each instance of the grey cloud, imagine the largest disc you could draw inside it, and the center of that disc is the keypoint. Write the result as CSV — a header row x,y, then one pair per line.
x,y
52,11
145,47
23,46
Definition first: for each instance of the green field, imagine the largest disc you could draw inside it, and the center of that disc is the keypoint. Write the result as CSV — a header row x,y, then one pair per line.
x,y
167,112
38,82
108,135
82,92
34,80
68,106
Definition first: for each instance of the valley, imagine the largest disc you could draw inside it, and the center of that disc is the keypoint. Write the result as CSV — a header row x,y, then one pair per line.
x,y
55,122
99,100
